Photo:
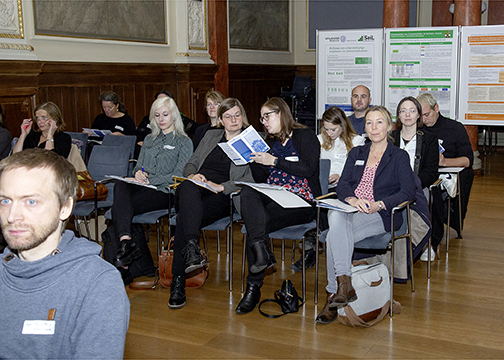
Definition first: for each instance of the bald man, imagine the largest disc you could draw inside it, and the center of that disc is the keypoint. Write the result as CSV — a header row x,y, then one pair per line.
x,y
361,99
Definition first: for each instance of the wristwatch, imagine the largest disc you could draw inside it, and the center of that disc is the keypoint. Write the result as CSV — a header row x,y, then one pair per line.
x,y
380,206
52,140
275,161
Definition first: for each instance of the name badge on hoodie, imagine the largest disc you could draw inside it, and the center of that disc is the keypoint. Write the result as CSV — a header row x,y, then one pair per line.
x,y
359,162
38,327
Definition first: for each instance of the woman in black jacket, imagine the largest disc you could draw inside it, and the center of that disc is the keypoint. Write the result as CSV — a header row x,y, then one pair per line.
x,y
291,162
422,147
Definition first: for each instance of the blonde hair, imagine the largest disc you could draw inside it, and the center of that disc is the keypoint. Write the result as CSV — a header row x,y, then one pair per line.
x,y
175,113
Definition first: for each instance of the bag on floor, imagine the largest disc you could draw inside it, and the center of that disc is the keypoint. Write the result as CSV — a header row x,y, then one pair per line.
x,y
143,266
288,299
194,279
372,286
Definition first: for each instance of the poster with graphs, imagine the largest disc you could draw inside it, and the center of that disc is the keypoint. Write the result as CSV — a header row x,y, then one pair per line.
x,y
345,59
419,60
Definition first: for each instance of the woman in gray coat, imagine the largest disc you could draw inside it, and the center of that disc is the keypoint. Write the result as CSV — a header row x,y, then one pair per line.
x,y
199,207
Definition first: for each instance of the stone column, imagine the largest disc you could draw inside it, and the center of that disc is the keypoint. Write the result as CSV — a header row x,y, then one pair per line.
x,y
468,13
395,13
218,41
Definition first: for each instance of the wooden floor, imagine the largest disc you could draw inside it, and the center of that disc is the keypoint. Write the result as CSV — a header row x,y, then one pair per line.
x,y
457,314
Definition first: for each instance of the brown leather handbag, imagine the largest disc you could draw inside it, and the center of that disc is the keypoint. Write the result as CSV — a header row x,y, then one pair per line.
x,y
194,279
86,187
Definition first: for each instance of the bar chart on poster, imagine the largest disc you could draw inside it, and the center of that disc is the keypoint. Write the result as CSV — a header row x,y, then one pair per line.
x,y
419,60
345,59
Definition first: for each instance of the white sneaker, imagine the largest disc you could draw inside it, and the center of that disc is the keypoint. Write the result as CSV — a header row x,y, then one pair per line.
x,y
424,255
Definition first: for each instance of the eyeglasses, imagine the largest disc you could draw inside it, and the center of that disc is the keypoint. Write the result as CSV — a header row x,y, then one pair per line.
x,y
229,117
210,104
410,111
42,118
265,117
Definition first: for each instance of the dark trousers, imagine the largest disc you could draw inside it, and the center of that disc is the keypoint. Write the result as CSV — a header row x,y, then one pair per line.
x,y
131,200
262,216
440,210
197,208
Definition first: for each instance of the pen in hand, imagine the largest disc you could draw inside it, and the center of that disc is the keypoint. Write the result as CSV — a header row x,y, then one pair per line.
x,y
145,174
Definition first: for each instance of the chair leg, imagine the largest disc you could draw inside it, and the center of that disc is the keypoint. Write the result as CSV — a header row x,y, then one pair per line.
x,y
218,241
205,243
244,258
293,251
283,250
77,227
86,225
229,245
448,224
304,268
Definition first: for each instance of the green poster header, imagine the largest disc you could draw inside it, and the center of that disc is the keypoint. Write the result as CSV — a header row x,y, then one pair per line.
x,y
427,34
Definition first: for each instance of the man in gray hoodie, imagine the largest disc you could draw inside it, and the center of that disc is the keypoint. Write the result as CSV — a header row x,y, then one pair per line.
x,y
60,299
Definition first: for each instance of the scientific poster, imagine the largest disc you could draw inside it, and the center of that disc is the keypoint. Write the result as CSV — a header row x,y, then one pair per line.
x,y
419,60
482,75
345,59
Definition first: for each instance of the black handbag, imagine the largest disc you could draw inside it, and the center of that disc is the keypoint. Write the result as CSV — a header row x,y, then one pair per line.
x,y
288,299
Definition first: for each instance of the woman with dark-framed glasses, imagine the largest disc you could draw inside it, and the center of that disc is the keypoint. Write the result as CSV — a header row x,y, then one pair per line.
x,y
49,133
199,207
291,162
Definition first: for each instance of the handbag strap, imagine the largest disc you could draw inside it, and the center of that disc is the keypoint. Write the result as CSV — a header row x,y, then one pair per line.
x,y
146,285
270,315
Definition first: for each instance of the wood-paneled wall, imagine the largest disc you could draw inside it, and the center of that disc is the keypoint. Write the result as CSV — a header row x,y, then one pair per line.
x,y
75,87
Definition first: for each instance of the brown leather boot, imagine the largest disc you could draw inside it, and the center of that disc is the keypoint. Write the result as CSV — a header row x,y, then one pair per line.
x,y
345,294
327,315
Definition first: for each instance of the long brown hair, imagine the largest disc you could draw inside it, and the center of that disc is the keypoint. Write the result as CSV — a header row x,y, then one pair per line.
x,y
334,115
54,112
287,122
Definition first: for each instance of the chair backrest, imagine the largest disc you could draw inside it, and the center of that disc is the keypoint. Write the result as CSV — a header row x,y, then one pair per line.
x,y
13,143
108,160
126,141
324,172
300,84
83,137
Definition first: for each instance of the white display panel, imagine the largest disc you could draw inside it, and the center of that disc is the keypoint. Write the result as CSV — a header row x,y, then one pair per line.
x,y
345,59
419,60
482,75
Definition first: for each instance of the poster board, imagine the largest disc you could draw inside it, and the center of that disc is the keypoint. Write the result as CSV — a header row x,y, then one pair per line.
x,y
345,59
482,75
419,60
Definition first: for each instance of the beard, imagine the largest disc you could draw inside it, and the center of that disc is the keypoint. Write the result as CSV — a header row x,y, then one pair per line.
x,y
34,238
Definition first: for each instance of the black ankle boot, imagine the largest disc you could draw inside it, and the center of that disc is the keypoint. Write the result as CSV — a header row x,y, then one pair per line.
x,y
127,253
177,292
250,299
310,258
261,255
193,258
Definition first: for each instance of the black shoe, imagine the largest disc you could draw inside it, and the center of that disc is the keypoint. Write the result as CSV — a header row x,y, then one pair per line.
x,y
250,299
193,258
310,258
127,253
261,255
177,292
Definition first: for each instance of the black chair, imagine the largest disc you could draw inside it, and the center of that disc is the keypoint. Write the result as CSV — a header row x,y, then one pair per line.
x,y
128,142
300,88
